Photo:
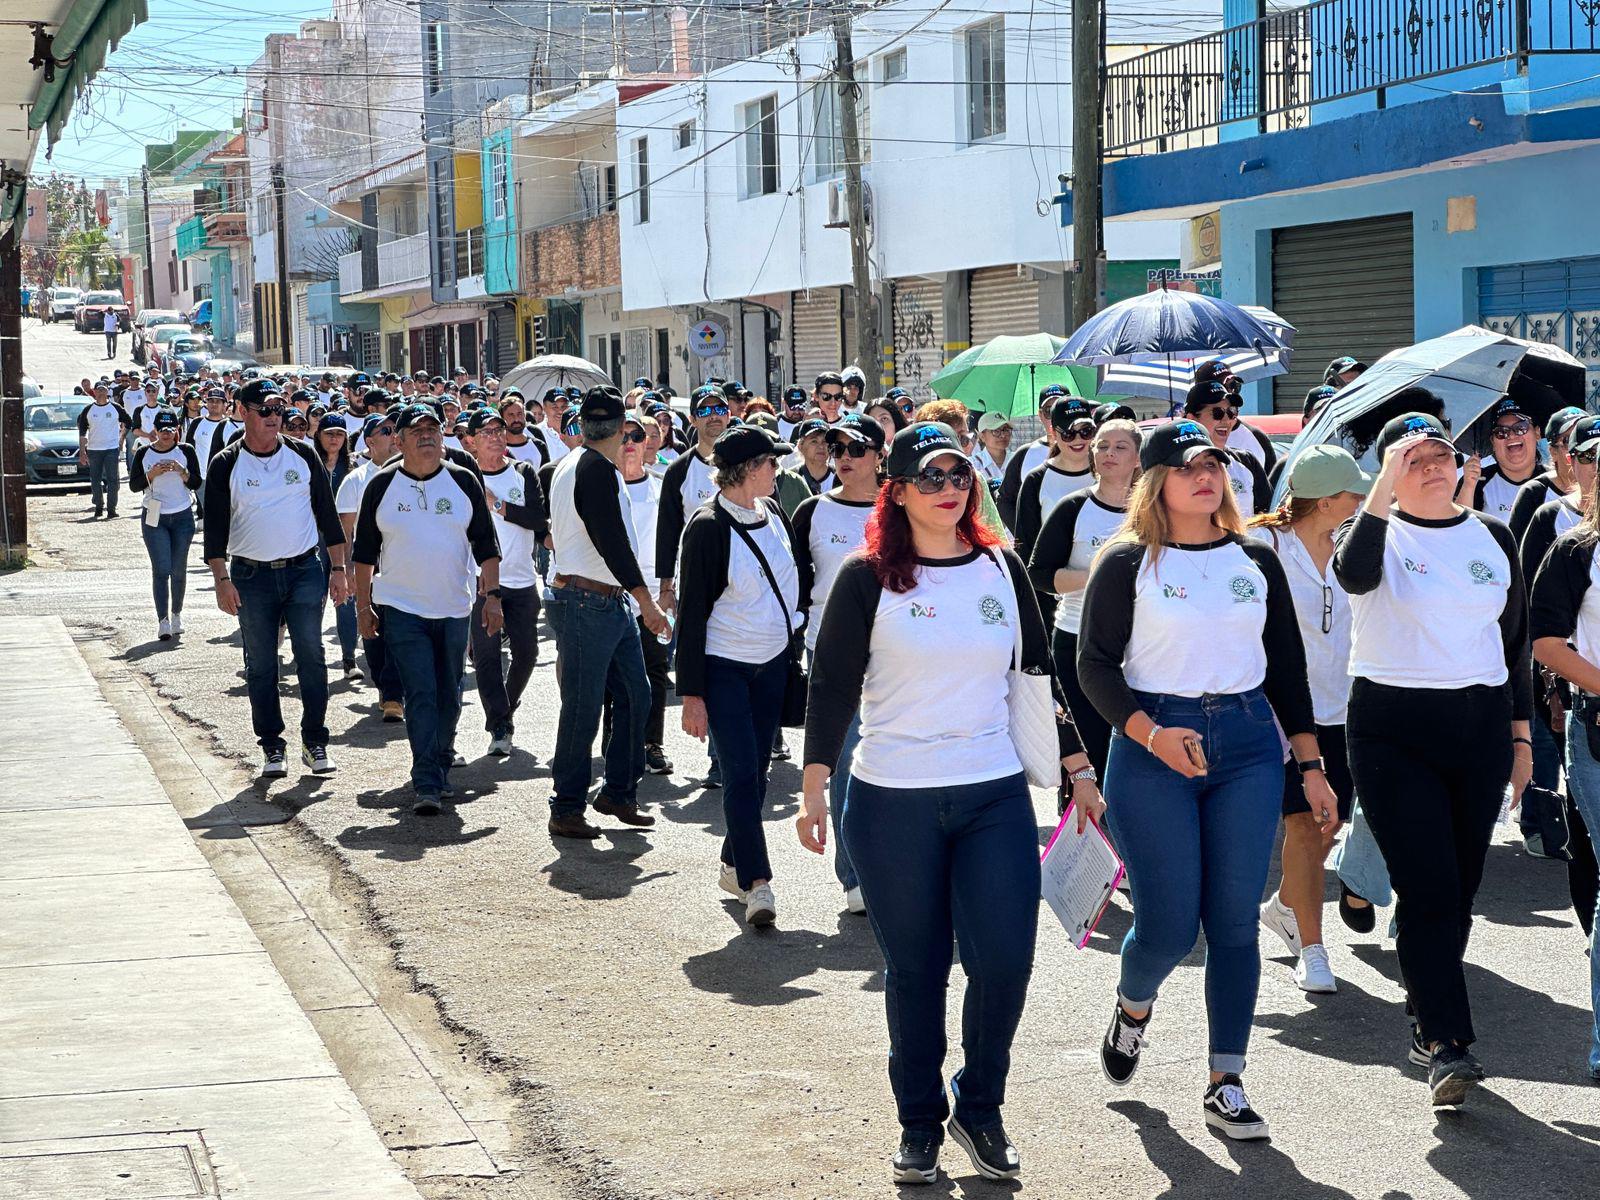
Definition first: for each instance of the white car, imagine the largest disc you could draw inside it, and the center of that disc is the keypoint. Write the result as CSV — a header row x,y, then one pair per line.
x,y
63,301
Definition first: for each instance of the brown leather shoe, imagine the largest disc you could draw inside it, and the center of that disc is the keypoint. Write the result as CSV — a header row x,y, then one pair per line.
x,y
628,814
573,826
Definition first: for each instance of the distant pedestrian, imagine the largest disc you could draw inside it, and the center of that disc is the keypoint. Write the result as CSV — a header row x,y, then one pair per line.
x,y
168,472
332,444
110,327
102,426
268,501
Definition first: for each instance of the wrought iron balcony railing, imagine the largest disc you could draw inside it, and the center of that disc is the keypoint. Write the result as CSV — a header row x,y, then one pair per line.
x,y
1269,73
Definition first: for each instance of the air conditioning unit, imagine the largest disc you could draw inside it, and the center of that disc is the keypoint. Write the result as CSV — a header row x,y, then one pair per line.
x,y
838,206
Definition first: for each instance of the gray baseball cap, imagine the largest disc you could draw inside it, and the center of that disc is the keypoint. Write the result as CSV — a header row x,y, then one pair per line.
x,y
1326,471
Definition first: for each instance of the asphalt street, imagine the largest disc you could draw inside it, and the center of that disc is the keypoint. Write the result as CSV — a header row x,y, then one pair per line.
x,y
668,1050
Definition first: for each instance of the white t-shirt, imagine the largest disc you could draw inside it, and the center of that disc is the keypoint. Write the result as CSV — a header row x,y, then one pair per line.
x,y
746,622
167,490
105,426
1092,528
552,440
517,544
354,483
1322,610
645,495
424,536
271,515
837,528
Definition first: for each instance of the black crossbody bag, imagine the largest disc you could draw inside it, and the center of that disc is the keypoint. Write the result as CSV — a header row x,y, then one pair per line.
x,y
794,688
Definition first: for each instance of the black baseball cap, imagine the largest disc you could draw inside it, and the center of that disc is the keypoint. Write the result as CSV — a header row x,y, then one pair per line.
x,y
376,395
1342,364
1409,425
481,417
332,421
706,393
1208,391
259,391
1069,412
1175,444
1212,368
795,396
360,379
745,442
1052,391
1584,434
897,393
643,382
1111,410
1506,406
165,419
854,429
1561,422
556,396
413,414
375,422
602,404
808,427
917,445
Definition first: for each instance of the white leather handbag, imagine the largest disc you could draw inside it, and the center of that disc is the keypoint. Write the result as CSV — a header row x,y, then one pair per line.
x,y
1032,705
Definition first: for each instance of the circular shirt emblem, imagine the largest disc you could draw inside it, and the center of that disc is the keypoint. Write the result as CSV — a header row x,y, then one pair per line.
x,y
441,506
992,610
515,496
1480,571
1243,589
291,476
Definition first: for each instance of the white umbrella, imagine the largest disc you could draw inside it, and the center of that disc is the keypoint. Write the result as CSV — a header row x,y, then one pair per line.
x,y
538,375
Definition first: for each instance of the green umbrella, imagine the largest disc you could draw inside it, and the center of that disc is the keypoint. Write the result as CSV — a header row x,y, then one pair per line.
x,y
1005,375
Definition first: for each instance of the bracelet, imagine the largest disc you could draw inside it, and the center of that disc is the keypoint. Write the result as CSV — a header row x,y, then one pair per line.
x,y
1309,765
1150,738
1082,774
1528,742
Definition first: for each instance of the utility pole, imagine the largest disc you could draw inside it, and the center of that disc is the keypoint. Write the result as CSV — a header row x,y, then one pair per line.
x,y
14,481
869,351
1088,241
279,193
149,242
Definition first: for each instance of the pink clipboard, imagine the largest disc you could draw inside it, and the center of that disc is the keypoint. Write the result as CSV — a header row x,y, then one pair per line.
x,y
1116,878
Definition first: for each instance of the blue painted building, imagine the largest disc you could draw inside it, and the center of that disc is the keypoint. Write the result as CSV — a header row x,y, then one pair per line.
x,y
1379,172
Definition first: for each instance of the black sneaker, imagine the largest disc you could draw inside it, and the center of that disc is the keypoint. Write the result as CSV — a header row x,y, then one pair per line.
x,y
427,804
1228,1109
1450,1075
714,776
1119,1053
1361,920
656,762
1418,1053
992,1154
917,1160
273,765
780,752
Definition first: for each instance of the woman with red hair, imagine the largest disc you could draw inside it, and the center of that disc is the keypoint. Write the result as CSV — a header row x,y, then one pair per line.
x,y
918,631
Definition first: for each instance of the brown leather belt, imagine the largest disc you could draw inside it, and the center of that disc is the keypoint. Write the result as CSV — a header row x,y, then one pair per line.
x,y
584,584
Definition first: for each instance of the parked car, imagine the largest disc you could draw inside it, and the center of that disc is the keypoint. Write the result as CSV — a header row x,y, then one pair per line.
x,y
232,360
50,438
163,336
60,303
90,315
188,354
200,316
30,387
143,324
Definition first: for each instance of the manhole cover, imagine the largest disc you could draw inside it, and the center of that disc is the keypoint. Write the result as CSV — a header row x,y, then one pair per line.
x,y
159,1166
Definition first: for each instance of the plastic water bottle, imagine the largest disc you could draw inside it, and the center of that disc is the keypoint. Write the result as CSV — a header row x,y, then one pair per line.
x,y
666,638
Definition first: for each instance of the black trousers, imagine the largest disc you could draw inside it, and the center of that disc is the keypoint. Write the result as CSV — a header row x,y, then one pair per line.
x,y
656,657
1093,730
500,689
1431,766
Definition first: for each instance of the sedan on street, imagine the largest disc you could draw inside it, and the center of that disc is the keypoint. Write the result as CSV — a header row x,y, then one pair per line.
x,y
50,438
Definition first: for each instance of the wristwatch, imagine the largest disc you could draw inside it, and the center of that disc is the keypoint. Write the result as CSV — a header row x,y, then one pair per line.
x,y
1084,773
1309,765
492,594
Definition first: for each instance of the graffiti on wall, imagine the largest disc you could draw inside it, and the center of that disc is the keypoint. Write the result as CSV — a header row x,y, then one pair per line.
x,y
918,353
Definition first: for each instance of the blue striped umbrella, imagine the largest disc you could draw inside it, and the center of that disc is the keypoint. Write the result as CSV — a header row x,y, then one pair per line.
x,y
1165,324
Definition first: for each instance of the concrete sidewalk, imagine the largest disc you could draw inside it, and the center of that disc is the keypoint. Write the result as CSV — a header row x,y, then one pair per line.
x,y
148,1046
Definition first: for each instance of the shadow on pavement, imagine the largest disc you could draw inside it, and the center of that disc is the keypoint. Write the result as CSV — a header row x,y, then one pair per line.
x,y
254,806
1490,1147
759,967
1524,892
604,869
410,836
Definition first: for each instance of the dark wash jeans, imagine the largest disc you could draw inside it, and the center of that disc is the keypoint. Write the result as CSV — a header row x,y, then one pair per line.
x,y
167,544
598,651
268,598
428,653
499,688
744,704
937,860
105,472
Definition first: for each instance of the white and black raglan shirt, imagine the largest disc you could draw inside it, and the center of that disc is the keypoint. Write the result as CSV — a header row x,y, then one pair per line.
x,y
1044,487
645,496
1250,440
1251,491
1436,603
1210,619
269,506
1538,491
1565,603
591,520
533,450
171,492
208,436
827,530
1072,536
928,670
425,536
520,523
103,426
727,608
1497,495
687,484
1018,464
1548,522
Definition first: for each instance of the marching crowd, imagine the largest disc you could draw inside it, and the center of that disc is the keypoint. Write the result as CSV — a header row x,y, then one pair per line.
x,y
1401,653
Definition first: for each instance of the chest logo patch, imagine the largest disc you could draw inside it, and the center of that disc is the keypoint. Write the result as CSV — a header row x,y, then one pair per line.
x,y
252,483
1174,591
1416,568
291,476
837,539
922,610
1237,485
1480,571
992,611
514,496
1244,589
441,506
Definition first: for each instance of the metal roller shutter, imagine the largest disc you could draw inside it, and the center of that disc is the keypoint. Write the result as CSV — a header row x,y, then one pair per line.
x,y
814,331
918,334
1002,303
1556,302
1346,287
307,349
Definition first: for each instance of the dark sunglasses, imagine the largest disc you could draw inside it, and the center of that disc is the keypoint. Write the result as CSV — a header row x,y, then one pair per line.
x,y
930,481
1586,457
572,428
908,407
634,438
711,410
1082,431
830,395
1220,412
383,431
1327,609
1504,433
266,410
850,450
300,424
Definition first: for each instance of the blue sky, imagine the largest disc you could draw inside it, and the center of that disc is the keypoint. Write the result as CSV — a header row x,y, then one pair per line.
x,y
171,71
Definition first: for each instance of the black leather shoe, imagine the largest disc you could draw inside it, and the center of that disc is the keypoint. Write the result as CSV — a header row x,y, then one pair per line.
x,y
1361,920
917,1160
573,826
628,814
992,1154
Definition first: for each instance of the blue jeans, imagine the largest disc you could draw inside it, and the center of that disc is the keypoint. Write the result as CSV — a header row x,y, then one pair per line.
x,y
597,651
744,704
1197,853
428,653
168,546
105,474
838,794
1583,778
344,615
269,598
937,860
1359,863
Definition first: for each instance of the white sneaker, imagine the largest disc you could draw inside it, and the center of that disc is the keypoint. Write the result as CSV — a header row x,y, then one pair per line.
x,y
164,630
1313,973
760,907
854,901
177,624
728,881
457,759
1280,920
500,746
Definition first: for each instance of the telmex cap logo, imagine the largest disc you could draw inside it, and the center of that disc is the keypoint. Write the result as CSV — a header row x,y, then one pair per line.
x,y
927,432
1188,429
1418,425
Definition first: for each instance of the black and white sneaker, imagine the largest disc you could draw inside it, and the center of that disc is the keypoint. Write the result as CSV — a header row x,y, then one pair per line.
x,y
1450,1075
316,760
1119,1053
1228,1109
992,1154
274,765
1418,1053
917,1160
656,762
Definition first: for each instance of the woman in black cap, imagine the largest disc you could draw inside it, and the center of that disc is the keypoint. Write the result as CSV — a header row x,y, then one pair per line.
x,y
1440,703
1068,469
169,472
1190,650
1216,409
919,634
331,441
742,600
